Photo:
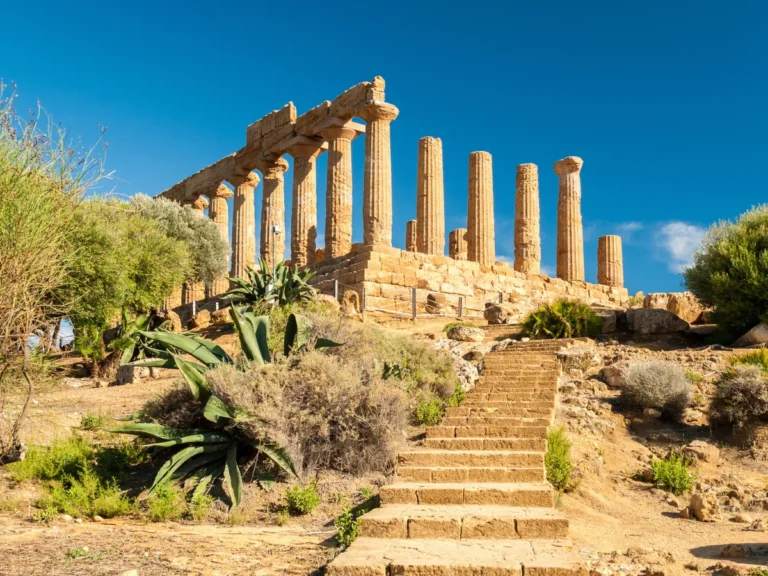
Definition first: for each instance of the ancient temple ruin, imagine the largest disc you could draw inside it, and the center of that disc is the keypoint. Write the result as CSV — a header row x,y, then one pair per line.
x,y
379,274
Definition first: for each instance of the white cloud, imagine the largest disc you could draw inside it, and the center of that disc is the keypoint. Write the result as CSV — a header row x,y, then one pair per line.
x,y
627,230
680,240
508,259
548,271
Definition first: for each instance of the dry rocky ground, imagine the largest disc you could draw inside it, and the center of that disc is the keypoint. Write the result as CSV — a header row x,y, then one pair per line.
x,y
619,523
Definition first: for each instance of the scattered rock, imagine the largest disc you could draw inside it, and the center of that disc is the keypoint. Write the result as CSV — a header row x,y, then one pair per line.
x,y
609,318
615,375
473,356
501,313
329,301
686,306
758,525
720,569
221,316
658,300
685,513
705,507
130,573
757,335
651,413
350,302
66,518
654,321
175,320
466,334
583,358
200,320
693,566
703,451
742,519
436,303
98,518
131,374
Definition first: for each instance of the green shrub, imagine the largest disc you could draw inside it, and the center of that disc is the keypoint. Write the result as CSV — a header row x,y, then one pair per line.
x,y
200,505
92,422
349,527
658,385
693,376
758,357
741,396
64,458
429,412
167,502
557,459
673,473
730,271
563,319
456,398
302,500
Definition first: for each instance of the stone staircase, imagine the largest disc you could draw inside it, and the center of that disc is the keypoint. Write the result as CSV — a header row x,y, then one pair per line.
x,y
475,500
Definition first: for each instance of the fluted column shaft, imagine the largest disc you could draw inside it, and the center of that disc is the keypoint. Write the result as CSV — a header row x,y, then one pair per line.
x,y
219,213
480,223
194,291
377,180
527,220
457,244
610,262
273,211
338,191
244,225
570,238
410,236
430,208
304,209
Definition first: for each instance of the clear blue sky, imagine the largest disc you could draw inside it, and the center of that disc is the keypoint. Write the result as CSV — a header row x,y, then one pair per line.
x,y
664,101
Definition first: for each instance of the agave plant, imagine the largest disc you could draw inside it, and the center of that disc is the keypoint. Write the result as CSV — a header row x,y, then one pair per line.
x,y
203,454
287,285
129,338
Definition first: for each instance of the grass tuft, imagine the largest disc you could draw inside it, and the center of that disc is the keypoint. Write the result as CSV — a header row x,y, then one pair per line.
x,y
557,459
673,473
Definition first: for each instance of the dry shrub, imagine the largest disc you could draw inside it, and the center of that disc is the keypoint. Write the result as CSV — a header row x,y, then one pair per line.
x,y
741,397
658,385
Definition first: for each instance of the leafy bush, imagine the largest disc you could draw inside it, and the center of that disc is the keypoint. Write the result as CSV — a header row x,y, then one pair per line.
x,y
429,412
673,473
730,271
349,527
286,286
693,376
167,502
658,385
557,459
302,500
64,458
92,422
741,396
563,319
758,357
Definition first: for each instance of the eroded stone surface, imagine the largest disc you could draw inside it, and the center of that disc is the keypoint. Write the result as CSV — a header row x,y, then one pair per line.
x,y
570,237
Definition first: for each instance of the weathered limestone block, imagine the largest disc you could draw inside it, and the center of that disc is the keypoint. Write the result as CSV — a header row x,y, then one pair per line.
x,y
200,320
308,123
219,213
304,209
430,209
273,210
437,303
610,263
244,225
338,202
654,321
174,300
656,300
480,222
351,101
704,506
457,244
271,122
570,239
377,179
411,243
466,334
756,335
686,306
527,220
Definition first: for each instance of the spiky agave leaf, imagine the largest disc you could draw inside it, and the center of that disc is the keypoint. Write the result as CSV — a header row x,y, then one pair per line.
x,y
278,455
253,332
194,377
184,343
158,431
175,462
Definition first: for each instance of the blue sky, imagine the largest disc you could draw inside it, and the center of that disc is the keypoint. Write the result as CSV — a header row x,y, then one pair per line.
x,y
664,101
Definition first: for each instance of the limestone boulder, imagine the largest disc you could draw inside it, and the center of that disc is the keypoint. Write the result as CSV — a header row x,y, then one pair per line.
x,y
685,306
466,334
328,301
610,319
350,302
436,303
704,507
615,374
176,325
200,320
501,313
703,451
654,321
757,335
657,300
221,316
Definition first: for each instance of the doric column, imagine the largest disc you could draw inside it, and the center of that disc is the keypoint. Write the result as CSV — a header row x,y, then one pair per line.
x,y
377,180
457,244
304,209
430,210
338,191
480,226
610,262
273,211
570,240
244,225
527,231
195,291
410,236
219,213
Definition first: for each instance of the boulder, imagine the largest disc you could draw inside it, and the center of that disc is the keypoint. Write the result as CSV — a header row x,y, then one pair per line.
x,y
329,301
704,506
350,302
609,318
658,300
200,320
654,321
221,316
436,303
175,320
466,334
616,374
757,335
584,358
131,374
500,313
473,356
703,451
686,306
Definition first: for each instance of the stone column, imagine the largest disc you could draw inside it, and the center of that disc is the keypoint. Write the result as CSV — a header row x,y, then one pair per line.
x,y
411,244
304,212
480,225
570,239
244,225
377,180
610,262
273,210
195,291
527,232
338,191
430,210
219,213
457,244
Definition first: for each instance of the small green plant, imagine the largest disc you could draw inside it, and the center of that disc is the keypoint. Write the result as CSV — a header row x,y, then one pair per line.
x,y
166,503
65,457
92,422
83,554
758,357
457,397
563,319
282,517
636,300
302,500
693,376
366,493
673,473
758,572
429,412
45,514
450,325
349,527
557,459
200,505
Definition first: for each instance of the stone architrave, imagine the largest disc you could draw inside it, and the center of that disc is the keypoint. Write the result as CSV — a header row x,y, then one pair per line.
x,y
219,213
377,178
610,264
527,220
195,291
570,238
430,208
480,223
304,209
273,211
457,244
244,224
410,236
338,191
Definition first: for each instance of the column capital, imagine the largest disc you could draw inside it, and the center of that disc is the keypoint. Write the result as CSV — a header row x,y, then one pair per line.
x,y
306,149
568,165
274,168
200,203
251,179
336,132
379,111
221,191
528,169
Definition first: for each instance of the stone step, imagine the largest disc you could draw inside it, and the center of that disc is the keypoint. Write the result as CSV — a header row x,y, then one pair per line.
x,y
509,388
470,474
517,383
523,376
462,522
524,402
529,444
543,393
514,428
471,458
511,494
414,557
530,407
496,421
